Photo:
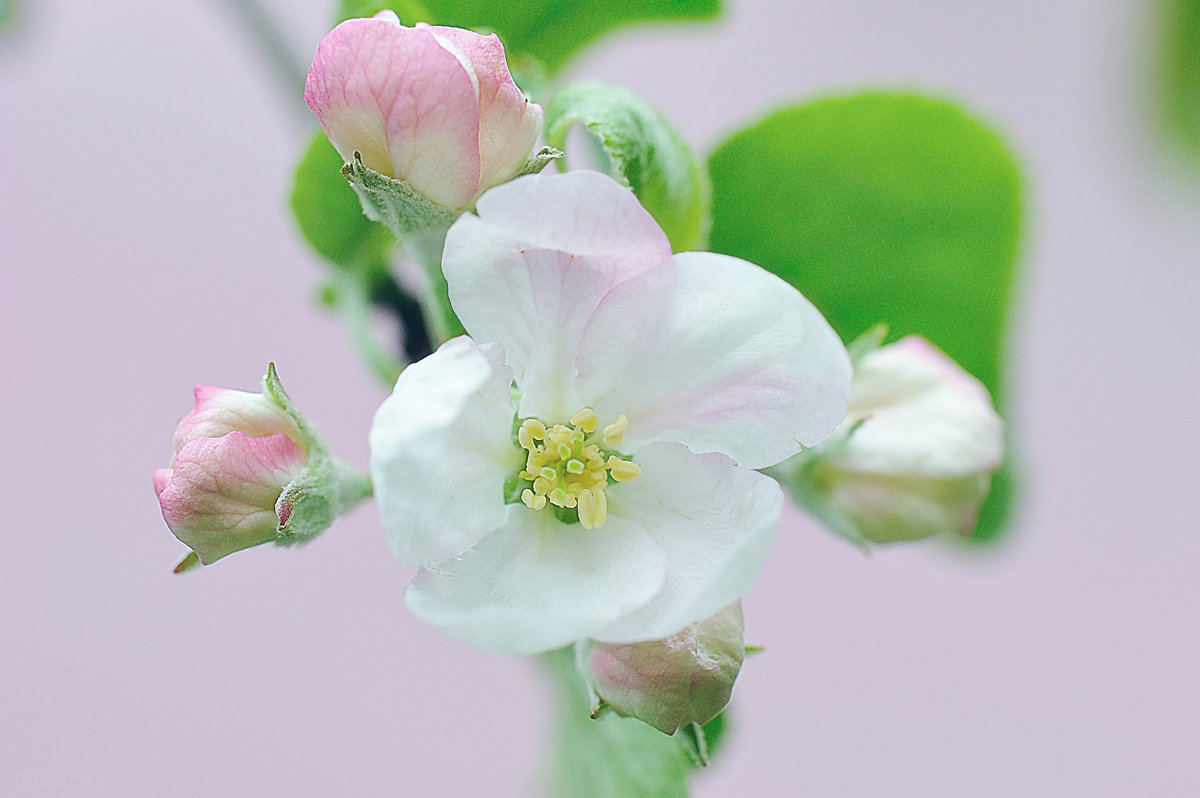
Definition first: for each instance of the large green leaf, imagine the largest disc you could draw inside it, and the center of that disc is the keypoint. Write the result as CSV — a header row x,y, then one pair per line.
x,y
550,30
1179,90
644,151
882,207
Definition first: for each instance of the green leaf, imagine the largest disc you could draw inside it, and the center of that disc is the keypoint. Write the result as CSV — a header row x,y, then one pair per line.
x,y
327,209
550,30
882,207
611,756
1179,71
644,151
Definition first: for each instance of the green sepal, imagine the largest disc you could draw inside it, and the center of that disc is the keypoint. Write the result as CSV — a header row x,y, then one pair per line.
x,y
326,488
868,342
393,203
644,152
190,562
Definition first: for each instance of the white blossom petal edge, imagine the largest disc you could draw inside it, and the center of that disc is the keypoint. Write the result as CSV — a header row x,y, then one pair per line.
x,y
610,493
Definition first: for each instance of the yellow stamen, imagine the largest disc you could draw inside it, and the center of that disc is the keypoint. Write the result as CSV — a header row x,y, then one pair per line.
x,y
569,469
623,470
615,431
586,419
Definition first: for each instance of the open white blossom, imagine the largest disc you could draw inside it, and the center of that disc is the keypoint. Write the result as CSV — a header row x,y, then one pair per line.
x,y
581,466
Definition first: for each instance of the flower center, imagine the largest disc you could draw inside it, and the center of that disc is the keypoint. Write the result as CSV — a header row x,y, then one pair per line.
x,y
569,467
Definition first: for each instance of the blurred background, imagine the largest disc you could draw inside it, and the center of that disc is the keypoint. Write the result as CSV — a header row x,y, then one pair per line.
x,y
145,158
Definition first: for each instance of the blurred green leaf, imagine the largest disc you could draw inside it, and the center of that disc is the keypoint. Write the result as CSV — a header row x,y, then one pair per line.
x,y
328,211
550,30
882,207
644,151
1179,89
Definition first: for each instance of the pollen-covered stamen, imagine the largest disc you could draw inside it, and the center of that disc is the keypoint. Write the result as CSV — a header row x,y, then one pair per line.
x,y
568,468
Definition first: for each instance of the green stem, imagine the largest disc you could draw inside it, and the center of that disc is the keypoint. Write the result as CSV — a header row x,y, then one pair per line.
x,y
426,248
355,305
611,756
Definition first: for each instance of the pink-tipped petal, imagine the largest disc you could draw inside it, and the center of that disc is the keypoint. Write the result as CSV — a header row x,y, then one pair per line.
x,y
219,411
221,495
402,101
509,124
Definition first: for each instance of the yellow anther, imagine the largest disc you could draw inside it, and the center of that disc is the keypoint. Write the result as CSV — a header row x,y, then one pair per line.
x,y
593,508
586,419
532,500
569,467
623,470
615,431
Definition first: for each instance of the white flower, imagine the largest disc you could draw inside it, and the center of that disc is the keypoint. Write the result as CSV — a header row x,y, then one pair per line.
x,y
916,453
611,494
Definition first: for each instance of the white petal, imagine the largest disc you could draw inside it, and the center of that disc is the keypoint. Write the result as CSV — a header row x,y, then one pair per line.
x,y
536,584
441,450
530,270
730,359
924,417
714,523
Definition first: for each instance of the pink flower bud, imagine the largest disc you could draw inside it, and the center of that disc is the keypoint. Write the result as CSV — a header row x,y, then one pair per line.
x,y
234,454
686,678
435,107
923,442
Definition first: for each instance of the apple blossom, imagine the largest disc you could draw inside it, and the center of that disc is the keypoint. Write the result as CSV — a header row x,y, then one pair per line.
x,y
248,469
683,679
916,452
434,107
581,466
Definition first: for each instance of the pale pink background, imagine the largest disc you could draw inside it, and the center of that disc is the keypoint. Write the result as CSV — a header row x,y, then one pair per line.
x,y
145,150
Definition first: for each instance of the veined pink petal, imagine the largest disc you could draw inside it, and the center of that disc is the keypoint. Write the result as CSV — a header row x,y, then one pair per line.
x,y
221,495
717,354
509,124
404,102
219,411
532,267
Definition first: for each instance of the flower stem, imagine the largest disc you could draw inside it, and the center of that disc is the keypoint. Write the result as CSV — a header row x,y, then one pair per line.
x,y
610,756
355,305
426,248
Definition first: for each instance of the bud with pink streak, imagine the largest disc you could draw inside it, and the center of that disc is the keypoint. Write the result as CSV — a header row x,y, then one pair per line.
x,y
671,683
249,469
434,107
